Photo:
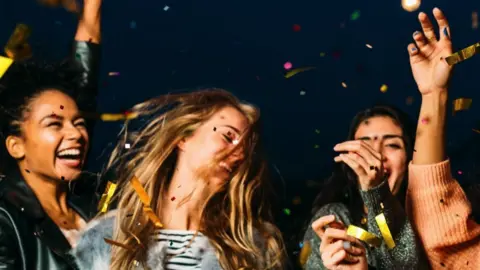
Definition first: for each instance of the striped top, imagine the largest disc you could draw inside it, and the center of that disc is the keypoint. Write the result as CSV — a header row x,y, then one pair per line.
x,y
181,251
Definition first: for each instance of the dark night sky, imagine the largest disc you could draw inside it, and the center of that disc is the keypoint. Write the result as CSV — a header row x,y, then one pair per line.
x,y
242,46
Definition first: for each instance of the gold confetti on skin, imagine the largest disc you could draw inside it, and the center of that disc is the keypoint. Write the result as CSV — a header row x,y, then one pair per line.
x,y
344,85
5,64
294,72
461,104
383,88
463,54
369,46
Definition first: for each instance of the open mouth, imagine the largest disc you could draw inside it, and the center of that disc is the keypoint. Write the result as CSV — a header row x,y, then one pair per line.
x,y
71,157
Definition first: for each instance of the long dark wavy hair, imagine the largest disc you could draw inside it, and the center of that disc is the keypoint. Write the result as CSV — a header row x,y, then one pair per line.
x,y
342,186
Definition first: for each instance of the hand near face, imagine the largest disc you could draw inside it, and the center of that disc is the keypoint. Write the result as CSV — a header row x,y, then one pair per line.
x,y
427,55
364,161
339,250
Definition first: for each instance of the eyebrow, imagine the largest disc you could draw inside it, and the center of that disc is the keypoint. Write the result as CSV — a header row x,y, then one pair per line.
x,y
387,136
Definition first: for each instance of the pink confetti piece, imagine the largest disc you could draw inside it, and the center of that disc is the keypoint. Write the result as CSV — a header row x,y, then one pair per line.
x,y
287,65
114,73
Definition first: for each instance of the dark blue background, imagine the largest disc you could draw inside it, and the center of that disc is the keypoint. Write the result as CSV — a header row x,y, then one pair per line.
x,y
242,46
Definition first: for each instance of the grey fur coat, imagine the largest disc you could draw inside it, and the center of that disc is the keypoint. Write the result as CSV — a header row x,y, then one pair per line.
x,y
93,253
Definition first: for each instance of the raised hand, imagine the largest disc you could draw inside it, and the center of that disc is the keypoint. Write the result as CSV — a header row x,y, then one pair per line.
x,y
427,55
339,250
364,161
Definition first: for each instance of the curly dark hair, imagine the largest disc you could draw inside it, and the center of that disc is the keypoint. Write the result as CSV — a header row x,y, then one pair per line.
x,y
342,186
21,84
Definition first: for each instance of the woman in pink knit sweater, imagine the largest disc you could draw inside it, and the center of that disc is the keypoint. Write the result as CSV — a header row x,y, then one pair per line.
x,y
437,206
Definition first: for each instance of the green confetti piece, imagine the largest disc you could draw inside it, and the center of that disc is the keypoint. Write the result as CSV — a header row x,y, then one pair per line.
x,y
286,211
316,146
317,131
322,54
355,15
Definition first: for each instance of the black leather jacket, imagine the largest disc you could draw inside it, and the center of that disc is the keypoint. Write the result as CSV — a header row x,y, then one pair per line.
x,y
29,239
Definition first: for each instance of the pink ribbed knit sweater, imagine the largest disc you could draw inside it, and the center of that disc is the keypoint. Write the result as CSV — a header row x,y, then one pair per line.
x,y
441,215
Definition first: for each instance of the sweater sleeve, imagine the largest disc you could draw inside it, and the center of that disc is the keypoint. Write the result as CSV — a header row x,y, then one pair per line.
x,y
441,215
406,254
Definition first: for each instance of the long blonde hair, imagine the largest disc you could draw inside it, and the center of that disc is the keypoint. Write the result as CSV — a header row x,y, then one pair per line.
x,y
236,219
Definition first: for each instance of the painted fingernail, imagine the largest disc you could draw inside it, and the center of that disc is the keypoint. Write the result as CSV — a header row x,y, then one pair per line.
x,y
445,32
416,33
347,245
414,49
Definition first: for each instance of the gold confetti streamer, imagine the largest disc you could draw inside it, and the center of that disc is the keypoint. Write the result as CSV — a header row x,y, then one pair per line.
x,y
110,117
5,64
106,197
385,231
142,194
115,243
294,72
363,235
463,54
461,104
17,46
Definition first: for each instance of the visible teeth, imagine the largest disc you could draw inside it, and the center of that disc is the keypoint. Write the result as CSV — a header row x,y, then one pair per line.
x,y
69,152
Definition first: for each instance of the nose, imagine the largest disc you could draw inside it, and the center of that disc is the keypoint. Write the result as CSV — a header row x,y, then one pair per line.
x,y
72,133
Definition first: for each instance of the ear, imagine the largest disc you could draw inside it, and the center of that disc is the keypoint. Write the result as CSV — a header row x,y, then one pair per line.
x,y
181,144
15,147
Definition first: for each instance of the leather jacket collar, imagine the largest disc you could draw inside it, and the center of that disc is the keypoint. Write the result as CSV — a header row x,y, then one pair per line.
x,y
15,191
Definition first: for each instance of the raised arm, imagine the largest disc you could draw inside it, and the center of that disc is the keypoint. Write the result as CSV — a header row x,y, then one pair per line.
x,y
437,206
86,54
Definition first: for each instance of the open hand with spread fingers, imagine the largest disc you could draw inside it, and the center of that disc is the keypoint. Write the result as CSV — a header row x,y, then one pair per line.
x,y
427,55
365,161
339,250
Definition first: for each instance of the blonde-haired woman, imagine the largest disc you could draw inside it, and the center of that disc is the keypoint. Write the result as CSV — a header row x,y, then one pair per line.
x,y
200,164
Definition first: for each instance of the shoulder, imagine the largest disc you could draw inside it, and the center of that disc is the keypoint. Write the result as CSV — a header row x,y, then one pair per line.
x,y
91,250
340,211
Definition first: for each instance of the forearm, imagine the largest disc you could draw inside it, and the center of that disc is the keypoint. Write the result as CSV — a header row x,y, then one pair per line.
x,y
89,24
430,137
406,253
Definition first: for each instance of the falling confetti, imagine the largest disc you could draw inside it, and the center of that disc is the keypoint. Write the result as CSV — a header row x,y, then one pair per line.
x,y
305,253
297,200
411,5
17,47
296,28
133,24
369,46
287,65
344,85
317,131
476,130
127,146
409,100
316,146
287,211
5,64
383,88
294,72
461,104
474,20
113,73
355,15
166,8
302,93
322,54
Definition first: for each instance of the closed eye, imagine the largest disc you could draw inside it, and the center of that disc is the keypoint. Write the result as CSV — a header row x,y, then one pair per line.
x,y
228,139
394,145
54,124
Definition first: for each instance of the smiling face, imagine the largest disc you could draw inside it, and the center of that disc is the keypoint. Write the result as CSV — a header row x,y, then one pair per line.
x,y
386,137
55,138
220,133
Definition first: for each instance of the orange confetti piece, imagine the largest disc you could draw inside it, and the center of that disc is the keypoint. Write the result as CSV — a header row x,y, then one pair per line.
x,y
142,194
152,217
111,117
344,85
17,46
461,104
294,72
305,253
